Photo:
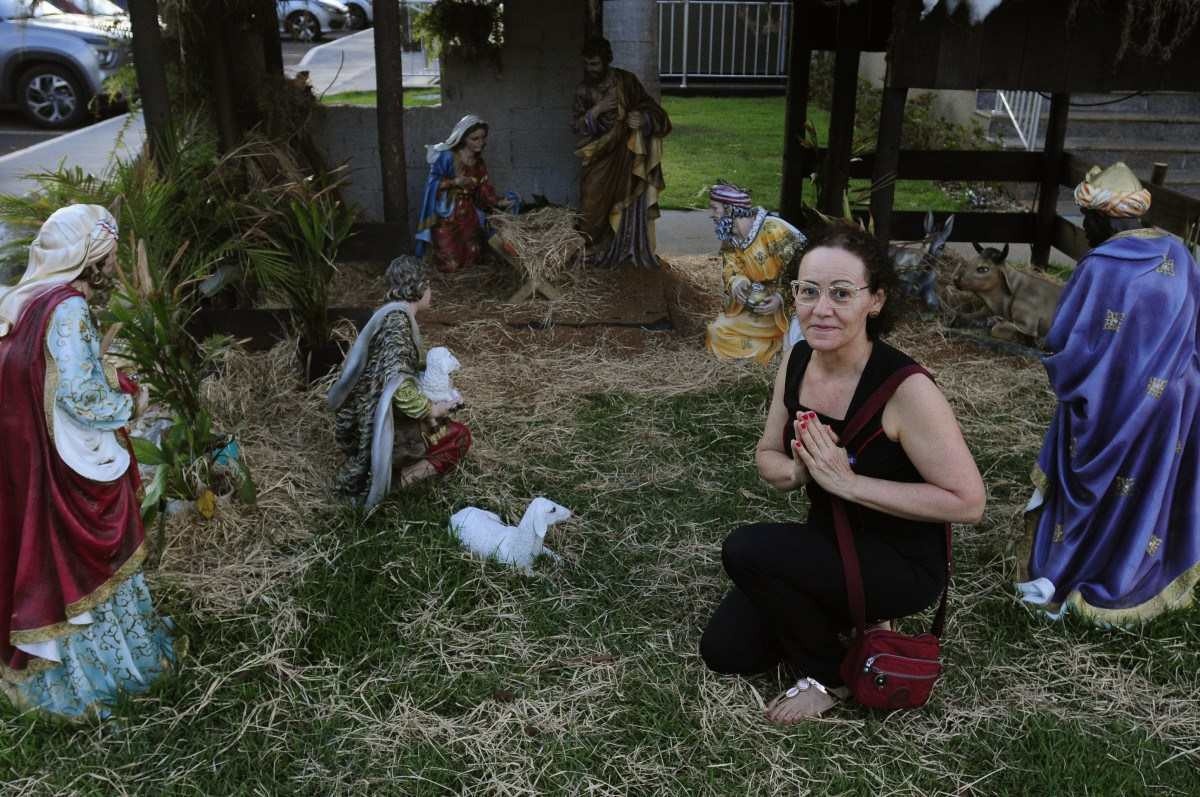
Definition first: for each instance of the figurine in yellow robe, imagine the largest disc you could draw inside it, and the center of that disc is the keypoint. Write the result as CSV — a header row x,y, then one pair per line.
x,y
757,249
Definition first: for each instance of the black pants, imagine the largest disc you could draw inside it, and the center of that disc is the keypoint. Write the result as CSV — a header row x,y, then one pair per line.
x,y
788,602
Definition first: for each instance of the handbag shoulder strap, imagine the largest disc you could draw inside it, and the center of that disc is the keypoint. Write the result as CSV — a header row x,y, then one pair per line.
x,y
841,518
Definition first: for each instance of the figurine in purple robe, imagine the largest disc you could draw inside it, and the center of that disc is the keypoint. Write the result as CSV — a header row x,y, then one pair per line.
x,y
1115,519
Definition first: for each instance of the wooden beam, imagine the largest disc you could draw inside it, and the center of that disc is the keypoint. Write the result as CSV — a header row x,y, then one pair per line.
x,y
1052,166
887,160
791,190
909,225
841,132
963,165
151,73
389,81
1070,239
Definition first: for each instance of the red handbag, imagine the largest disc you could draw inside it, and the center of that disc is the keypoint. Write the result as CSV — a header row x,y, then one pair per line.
x,y
884,669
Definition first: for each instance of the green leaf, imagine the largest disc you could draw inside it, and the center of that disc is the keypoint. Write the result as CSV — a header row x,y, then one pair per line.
x,y
154,495
146,452
247,492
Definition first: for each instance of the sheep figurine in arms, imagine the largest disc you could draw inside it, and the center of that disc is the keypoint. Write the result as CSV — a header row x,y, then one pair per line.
x,y
1020,306
435,381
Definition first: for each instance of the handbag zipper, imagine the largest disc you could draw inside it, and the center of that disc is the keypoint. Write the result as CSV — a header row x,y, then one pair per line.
x,y
869,666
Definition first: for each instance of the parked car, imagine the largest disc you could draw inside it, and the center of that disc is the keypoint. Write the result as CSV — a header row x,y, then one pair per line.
x,y
53,63
96,8
361,14
309,20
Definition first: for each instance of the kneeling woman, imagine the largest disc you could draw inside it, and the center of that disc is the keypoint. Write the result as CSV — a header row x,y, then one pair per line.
x,y
788,603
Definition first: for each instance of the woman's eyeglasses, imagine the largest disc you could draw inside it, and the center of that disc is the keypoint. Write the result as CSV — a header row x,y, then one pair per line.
x,y
840,293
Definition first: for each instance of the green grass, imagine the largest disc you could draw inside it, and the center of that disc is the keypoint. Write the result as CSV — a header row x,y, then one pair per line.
x,y
387,661
740,139
413,98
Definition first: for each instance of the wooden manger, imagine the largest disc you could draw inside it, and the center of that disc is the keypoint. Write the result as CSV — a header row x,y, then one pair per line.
x,y
541,245
1028,45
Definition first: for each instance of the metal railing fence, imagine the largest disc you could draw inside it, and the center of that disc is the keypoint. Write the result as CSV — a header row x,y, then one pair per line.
x,y
721,39
1024,110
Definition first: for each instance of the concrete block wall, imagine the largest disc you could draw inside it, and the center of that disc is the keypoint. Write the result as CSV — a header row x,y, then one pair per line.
x,y
631,27
527,104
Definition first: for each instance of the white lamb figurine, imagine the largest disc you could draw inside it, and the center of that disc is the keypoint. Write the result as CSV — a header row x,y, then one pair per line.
x,y
486,536
435,379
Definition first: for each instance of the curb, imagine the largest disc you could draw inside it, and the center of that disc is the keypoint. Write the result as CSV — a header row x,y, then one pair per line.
x,y
336,42
118,121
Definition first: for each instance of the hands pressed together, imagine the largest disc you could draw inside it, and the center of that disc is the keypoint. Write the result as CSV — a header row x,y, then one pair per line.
x,y
816,448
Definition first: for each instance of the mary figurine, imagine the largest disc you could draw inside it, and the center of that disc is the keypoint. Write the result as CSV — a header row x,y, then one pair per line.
x,y
457,196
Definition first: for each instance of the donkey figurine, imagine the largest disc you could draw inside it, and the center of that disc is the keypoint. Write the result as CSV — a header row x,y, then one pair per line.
x,y
916,264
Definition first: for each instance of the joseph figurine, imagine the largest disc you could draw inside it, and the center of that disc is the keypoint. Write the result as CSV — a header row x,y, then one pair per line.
x,y
621,129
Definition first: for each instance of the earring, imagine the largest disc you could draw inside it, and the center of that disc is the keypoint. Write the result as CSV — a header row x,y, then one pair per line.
x,y
873,314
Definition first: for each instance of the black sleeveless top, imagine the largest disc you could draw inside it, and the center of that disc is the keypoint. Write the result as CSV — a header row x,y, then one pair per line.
x,y
881,458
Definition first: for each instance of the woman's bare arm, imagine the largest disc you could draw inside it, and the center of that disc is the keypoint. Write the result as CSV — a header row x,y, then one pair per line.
x,y
774,465
921,420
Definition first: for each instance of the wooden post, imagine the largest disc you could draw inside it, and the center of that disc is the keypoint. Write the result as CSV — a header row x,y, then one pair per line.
x,y
389,82
1052,165
151,74
887,159
841,132
267,19
791,190
1159,176
229,133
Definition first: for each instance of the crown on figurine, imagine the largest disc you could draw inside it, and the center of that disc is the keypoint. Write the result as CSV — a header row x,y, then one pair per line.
x,y
1115,192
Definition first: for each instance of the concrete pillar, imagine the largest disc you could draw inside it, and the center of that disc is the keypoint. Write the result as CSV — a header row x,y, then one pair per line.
x,y
631,26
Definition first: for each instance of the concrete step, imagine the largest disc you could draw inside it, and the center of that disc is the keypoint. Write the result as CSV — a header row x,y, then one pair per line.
x,y
1115,128
1184,128
1139,155
1157,102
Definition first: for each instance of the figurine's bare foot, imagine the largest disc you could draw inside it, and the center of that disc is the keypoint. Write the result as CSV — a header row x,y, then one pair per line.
x,y
417,472
805,700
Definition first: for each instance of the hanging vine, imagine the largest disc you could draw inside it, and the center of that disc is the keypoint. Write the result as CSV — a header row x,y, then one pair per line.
x,y
469,29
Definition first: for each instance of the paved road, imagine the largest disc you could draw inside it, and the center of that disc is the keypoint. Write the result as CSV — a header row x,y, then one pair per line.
x,y
17,134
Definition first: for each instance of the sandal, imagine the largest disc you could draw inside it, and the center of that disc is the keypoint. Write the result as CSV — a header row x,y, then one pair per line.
x,y
808,698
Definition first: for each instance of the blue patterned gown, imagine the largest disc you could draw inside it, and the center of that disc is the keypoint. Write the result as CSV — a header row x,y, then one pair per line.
x,y
1116,516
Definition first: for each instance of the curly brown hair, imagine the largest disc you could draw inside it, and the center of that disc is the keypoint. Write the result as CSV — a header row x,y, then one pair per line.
x,y
881,271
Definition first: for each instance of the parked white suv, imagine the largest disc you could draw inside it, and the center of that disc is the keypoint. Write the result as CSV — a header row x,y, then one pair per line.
x,y
53,63
309,20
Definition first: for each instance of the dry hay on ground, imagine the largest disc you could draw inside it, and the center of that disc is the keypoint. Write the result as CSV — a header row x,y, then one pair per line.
x,y
482,293
285,434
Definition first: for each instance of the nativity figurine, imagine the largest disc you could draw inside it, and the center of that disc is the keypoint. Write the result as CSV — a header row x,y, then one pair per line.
x,y
383,419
